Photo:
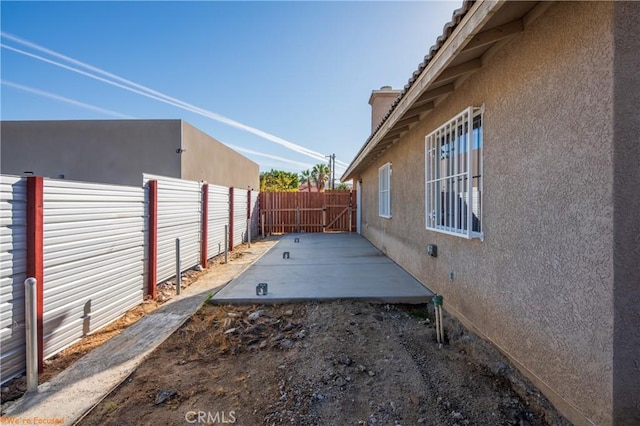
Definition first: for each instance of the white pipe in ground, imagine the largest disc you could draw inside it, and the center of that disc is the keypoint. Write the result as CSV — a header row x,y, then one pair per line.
x,y
31,322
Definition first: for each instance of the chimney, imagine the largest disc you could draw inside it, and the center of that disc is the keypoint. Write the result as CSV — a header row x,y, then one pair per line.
x,y
380,102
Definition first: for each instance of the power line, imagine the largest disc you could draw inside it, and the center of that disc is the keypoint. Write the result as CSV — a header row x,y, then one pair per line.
x,y
63,99
150,93
90,107
273,157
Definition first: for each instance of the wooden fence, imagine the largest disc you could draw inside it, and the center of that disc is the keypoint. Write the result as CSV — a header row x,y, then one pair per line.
x,y
289,212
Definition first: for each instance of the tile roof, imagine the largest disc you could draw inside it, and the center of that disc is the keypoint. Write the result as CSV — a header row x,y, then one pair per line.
x,y
448,29
477,30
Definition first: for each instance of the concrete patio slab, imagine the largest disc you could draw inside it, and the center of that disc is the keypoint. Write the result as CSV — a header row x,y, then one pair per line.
x,y
324,267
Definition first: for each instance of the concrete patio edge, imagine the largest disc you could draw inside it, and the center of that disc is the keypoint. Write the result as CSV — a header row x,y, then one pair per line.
x,y
322,267
412,300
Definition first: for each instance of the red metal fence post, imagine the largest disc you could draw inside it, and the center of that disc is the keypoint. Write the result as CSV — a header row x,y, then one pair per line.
x,y
249,204
264,209
231,219
248,216
204,256
35,252
153,238
260,220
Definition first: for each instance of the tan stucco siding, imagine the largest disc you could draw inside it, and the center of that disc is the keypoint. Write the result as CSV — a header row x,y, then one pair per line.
x,y
540,284
207,159
109,151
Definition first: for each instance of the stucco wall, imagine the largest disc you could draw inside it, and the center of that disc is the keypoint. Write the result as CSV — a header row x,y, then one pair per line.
x,y
626,205
540,285
110,151
207,159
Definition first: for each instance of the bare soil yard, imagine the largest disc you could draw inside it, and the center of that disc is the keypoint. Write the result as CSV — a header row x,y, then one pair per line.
x,y
59,362
340,363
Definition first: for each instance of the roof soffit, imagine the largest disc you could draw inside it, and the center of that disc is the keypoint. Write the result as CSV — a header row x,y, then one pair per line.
x,y
476,30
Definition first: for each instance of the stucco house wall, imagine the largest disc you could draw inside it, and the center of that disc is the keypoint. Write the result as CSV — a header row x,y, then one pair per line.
x,y
540,286
120,151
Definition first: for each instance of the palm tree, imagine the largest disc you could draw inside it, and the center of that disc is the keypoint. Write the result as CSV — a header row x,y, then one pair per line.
x,y
305,176
320,175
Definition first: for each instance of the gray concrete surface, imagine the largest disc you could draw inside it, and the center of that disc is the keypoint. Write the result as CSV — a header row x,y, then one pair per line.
x,y
321,266
325,267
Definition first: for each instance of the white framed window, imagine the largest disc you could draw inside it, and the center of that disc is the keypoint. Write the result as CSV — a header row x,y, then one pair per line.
x,y
453,176
384,195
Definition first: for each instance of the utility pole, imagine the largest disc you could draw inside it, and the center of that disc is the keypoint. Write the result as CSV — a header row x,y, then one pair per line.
x,y
333,172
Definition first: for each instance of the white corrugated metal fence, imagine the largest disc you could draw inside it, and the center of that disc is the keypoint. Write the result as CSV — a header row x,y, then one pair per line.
x,y
13,268
94,251
255,213
179,216
239,216
218,217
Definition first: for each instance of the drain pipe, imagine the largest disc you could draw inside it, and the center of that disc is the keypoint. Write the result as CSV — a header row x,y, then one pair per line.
x,y
437,307
435,312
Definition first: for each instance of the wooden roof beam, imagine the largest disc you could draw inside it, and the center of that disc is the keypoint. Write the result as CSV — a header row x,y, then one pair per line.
x,y
398,130
495,34
421,109
382,144
430,95
389,140
408,121
459,70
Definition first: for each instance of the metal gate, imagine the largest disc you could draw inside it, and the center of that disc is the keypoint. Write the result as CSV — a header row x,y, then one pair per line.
x,y
13,269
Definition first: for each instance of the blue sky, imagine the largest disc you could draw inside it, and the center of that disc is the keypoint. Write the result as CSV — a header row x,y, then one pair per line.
x,y
299,71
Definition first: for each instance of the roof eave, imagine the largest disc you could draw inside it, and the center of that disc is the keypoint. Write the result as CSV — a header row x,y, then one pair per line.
x,y
472,22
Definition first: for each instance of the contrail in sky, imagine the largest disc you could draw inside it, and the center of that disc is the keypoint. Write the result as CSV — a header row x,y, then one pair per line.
x,y
117,114
63,99
273,157
150,93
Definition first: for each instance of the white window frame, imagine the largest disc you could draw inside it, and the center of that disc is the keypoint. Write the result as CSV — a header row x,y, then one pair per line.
x,y
384,191
449,179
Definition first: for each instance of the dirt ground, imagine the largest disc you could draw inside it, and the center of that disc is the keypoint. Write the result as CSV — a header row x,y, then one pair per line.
x,y
59,362
339,363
